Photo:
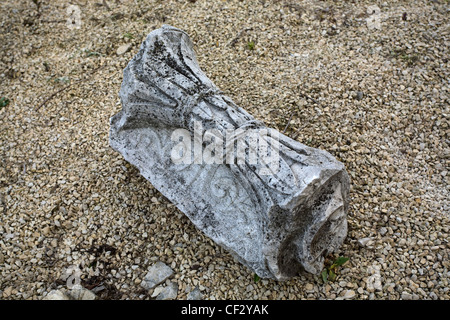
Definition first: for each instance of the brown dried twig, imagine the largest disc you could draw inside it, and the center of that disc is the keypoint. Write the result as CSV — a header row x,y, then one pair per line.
x,y
289,121
235,39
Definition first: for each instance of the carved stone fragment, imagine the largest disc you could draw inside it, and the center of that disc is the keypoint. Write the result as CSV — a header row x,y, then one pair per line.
x,y
275,204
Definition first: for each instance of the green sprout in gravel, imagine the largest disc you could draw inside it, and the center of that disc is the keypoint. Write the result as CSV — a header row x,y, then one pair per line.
x,y
410,59
90,53
251,45
329,273
3,102
62,79
128,35
256,278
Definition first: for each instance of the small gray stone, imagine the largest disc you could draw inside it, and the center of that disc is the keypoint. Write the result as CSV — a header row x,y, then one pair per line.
x,y
123,48
157,291
365,241
98,289
169,292
359,95
349,294
383,231
433,295
195,294
406,296
56,295
156,274
79,293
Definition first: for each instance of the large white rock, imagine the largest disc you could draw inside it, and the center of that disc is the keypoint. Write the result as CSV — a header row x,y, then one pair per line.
x,y
276,211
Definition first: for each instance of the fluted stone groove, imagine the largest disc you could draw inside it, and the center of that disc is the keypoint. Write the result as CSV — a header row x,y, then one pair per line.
x,y
276,215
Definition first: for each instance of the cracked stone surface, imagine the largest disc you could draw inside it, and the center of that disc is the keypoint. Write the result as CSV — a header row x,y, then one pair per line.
x,y
275,222
169,292
156,274
195,294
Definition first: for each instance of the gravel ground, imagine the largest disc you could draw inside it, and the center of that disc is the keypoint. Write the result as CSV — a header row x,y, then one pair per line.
x,y
370,86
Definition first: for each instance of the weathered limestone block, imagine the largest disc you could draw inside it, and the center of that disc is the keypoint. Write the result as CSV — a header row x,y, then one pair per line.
x,y
277,205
